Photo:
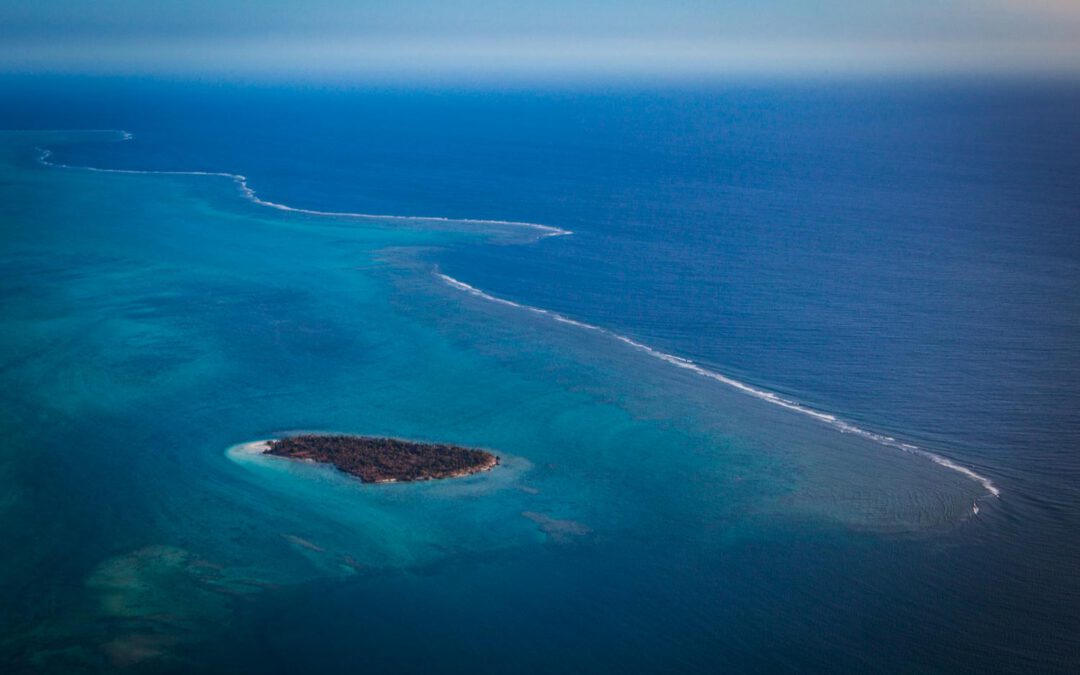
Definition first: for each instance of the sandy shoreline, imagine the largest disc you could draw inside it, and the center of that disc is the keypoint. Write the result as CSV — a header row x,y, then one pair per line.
x,y
252,448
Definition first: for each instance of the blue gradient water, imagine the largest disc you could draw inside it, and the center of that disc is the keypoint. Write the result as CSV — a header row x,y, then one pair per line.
x,y
903,258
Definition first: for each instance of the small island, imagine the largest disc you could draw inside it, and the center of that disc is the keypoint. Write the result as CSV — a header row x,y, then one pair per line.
x,y
384,460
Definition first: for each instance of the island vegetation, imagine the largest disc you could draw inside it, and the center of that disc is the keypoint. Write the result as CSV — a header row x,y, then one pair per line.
x,y
384,460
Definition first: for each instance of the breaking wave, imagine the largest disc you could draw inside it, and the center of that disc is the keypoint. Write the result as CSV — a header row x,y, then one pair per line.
x,y
250,194
767,396
551,231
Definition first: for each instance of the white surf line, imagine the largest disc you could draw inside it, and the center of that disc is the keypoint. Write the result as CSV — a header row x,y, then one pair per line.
x,y
551,231
767,396
250,194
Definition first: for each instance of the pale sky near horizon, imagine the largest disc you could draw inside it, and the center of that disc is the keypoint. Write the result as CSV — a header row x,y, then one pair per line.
x,y
556,38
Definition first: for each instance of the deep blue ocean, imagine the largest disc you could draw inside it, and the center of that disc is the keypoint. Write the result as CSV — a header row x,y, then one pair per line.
x,y
794,388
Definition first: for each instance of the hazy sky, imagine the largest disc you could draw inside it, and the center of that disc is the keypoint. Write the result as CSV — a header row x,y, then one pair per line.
x,y
550,38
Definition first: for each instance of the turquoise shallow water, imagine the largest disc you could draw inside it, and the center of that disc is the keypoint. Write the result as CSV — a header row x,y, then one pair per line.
x,y
646,519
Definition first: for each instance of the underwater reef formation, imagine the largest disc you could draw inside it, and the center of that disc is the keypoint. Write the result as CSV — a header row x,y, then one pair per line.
x,y
384,460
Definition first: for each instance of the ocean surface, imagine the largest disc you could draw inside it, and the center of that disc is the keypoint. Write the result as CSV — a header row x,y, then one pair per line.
x,y
785,377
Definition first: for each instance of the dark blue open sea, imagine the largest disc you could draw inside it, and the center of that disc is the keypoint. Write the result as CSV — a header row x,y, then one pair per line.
x,y
785,377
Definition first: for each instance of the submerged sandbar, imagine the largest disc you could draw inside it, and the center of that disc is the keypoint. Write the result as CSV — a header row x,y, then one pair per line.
x,y
384,460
